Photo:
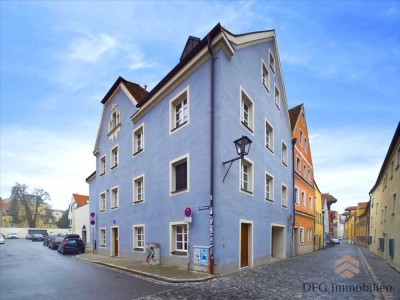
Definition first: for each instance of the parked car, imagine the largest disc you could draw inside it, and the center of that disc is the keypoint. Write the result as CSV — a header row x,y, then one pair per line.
x,y
12,236
72,236
54,243
71,246
335,242
37,237
29,236
47,239
1,239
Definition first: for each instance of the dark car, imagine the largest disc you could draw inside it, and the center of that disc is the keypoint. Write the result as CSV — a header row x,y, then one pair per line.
x,y
72,236
54,243
47,239
71,246
37,237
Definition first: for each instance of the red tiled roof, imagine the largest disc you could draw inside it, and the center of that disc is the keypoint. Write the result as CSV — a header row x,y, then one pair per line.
x,y
329,197
362,204
80,200
294,115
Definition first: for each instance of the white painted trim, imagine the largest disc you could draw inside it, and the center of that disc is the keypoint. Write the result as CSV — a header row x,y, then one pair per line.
x,y
134,133
271,201
268,87
105,237
272,152
284,238
251,183
111,198
280,97
172,238
250,129
171,173
112,245
134,239
105,200
172,104
287,196
287,154
112,157
134,190
273,69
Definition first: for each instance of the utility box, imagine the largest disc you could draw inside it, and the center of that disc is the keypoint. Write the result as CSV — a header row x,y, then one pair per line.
x,y
200,260
153,253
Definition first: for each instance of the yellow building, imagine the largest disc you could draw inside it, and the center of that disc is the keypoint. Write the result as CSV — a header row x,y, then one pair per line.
x,y
319,229
385,207
361,229
351,215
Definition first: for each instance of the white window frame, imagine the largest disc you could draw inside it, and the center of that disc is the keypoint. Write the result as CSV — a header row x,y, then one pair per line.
x,y
136,235
102,237
271,136
298,164
269,188
135,181
103,202
114,197
173,239
297,195
265,77
272,63
303,198
277,97
284,195
114,158
284,156
246,177
114,122
103,165
310,200
172,175
246,100
185,111
138,140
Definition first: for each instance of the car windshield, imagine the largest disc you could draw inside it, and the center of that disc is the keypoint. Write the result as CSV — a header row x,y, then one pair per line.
x,y
59,238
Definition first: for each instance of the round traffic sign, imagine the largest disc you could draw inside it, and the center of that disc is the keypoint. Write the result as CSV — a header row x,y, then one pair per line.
x,y
188,212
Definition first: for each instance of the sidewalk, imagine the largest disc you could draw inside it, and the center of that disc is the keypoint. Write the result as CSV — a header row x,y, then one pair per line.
x,y
159,272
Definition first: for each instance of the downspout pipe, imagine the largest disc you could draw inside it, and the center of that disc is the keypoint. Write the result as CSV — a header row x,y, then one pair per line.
x,y
212,131
294,140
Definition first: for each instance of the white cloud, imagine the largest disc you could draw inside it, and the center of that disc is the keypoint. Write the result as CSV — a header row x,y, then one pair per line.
x,y
58,163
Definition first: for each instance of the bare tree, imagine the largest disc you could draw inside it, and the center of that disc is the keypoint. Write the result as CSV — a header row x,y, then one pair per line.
x,y
29,206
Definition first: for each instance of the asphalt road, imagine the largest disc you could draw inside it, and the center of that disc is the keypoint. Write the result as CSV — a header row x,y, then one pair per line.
x,y
29,270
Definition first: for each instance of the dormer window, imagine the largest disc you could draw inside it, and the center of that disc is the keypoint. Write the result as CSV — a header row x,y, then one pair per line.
x,y
114,119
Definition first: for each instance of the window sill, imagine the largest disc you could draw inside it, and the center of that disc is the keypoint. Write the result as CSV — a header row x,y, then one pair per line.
x,y
137,152
265,87
179,253
179,191
247,127
138,202
285,163
246,191
269,149
138,249
114,166
285,206
114,207
114,129
179,126
101,174
269,200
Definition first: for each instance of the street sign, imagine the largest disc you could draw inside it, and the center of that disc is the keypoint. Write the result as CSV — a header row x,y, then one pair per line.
x,y
204,207
188,219
92,218
188,212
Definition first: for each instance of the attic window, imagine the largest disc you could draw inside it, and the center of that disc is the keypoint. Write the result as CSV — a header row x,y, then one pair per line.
x,y
190,45
272,62
114,119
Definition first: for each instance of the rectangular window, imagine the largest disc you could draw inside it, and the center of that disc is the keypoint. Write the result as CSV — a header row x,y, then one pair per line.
x,y
391,169
271,62
246,176
301,235
265,76
284,154
305,172
305,145
138,189
247,111
114,198
309,175
114,157
102,201
114,119
102,165
179,111
296,195
179,175
277,98
394,204
269,187
269,136
284,196
138,140
102,237
179,239
301,138
138,238
298,164
310,200
303,198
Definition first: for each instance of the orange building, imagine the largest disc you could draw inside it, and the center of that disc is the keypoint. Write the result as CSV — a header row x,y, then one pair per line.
x,y
304,184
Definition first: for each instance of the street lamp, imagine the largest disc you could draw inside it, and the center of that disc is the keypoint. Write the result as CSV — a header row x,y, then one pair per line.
x,y
242,146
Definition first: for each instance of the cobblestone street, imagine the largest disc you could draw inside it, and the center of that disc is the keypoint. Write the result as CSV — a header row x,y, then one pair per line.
x,y
310,276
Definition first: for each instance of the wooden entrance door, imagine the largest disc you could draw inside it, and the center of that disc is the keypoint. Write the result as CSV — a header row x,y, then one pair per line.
x,y
244,245
115,242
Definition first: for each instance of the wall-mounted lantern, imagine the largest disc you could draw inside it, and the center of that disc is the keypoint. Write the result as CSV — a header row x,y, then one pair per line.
x,y
242,145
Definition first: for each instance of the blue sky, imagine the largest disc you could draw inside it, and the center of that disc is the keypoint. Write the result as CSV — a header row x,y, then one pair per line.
x,y
59,58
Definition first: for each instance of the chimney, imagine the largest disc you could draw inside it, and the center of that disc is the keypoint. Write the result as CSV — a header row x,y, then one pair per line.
x,y
145,87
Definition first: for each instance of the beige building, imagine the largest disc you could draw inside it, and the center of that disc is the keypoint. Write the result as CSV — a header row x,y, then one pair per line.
x,y
79,216
385,207
319,230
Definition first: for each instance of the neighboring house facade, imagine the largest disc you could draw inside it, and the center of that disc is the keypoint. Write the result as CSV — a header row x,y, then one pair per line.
x,y
361,227
78,216
385,207
319,229
325,219
160,153
329,199
351,215
304,183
